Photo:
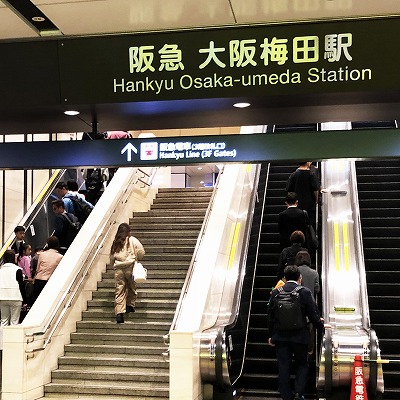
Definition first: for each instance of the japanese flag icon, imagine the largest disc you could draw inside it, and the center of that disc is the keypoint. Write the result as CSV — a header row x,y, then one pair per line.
x,y
149,151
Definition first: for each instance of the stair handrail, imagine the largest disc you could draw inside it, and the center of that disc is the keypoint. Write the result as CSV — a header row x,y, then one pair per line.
x,y
73,288
189,274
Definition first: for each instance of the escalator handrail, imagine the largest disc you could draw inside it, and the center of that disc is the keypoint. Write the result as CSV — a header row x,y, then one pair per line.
x,y
360,248
34,209
254,275
243,256
215,333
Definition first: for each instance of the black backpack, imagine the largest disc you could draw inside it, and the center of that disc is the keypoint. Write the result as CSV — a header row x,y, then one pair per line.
x,y
73,228
81,208
95,181
289,313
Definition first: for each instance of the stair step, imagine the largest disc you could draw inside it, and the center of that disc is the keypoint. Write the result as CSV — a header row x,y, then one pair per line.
x,y
177,213
128,377
167,219
181,206
168,241
150,283
136,391
141,304
105,363
160,326
121,351
150,293
100,314
119,337
182,227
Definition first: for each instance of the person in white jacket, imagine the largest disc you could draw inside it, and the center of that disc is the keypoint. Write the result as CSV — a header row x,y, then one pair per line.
x,y
125,250
12,290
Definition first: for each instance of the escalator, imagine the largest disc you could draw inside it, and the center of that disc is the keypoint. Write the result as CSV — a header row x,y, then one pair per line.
x,y
379,199
39,219
259,378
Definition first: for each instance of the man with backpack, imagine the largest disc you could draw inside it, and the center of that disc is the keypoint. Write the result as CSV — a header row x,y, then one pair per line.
x,y
73,202
291,307
66,225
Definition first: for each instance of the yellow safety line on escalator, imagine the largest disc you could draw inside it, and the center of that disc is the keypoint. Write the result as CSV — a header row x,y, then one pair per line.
x,y
346,247
37,201
234,245
46,188
336,241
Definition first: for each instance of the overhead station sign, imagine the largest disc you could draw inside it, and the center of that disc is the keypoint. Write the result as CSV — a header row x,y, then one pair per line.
x,y
201,149
231,62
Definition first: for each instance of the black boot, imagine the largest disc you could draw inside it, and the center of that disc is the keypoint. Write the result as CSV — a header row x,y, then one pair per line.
x,y
120,318
130,309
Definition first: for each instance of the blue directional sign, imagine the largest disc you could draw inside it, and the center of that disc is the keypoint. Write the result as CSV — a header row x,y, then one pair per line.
x,y
185,150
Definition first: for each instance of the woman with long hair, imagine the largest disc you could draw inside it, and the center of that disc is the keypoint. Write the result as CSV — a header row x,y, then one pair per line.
x,y
125,250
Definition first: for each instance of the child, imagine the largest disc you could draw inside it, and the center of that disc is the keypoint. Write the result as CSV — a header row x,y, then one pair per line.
x,y
24,261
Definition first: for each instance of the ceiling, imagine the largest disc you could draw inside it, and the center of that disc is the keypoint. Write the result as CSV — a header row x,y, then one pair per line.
x,y
41,19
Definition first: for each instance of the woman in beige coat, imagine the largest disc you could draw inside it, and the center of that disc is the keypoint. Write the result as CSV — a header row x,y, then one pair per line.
x,y
125,250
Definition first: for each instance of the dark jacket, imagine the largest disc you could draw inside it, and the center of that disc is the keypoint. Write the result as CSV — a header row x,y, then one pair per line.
x,y
290,220
61,226
311,311
287,257
304,183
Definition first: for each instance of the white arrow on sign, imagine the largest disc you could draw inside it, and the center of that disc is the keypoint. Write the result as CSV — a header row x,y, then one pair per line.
x,y
128,150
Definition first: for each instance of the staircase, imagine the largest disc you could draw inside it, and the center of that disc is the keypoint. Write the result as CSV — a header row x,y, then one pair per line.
x,y
106,360
379,198
260,373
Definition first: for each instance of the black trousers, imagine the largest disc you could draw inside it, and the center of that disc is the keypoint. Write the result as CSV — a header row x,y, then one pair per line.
x,y
37,288
284,352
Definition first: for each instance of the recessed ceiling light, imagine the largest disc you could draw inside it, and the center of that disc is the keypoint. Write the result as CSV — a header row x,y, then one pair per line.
x,y
38,19
71,112
241,105
201,182
199,167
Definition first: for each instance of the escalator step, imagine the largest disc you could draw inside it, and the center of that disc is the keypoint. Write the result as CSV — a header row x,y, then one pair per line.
x,y
378,289
383,276
381,241
380,212
387,222
376,264
378,194
378,178
377,252
372,186
380,316
390,331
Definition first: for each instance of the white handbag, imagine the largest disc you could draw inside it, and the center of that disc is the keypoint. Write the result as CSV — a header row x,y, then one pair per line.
x,y
139,273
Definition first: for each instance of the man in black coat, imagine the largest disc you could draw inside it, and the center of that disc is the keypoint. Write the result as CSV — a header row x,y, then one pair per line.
x,y
306,185
289,343
63,229
290,220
